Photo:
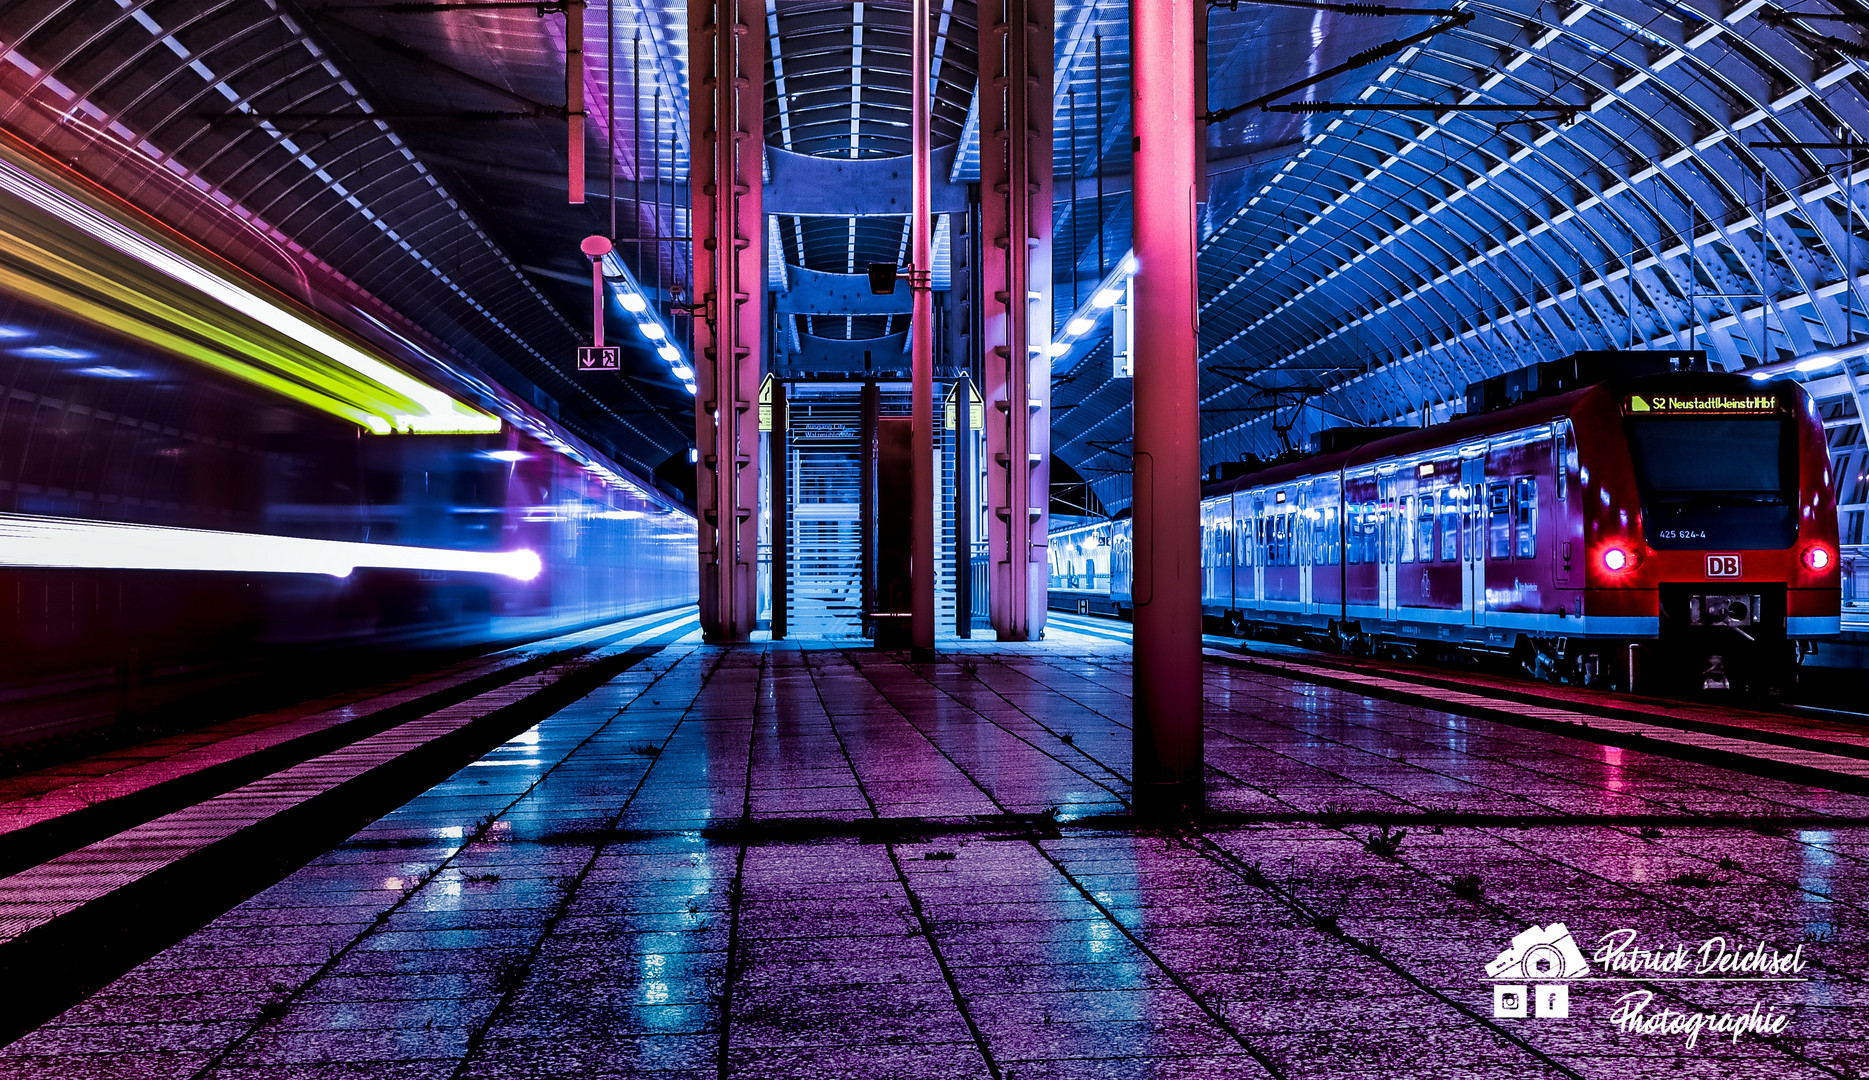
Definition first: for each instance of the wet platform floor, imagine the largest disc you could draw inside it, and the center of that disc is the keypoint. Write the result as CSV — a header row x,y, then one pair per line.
x,y
787,860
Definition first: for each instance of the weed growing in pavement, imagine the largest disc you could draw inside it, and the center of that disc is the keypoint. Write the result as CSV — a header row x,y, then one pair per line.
x,y
648,750
274,1010
481,879
1068,739
1649,832
1691,879
939,856
1730,864
1469,887
1769,825
1385,843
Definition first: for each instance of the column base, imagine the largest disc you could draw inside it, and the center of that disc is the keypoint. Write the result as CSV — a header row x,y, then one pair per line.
x,y
1169,802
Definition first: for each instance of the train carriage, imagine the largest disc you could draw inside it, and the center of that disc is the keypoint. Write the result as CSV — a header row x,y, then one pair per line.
x,y
1679,525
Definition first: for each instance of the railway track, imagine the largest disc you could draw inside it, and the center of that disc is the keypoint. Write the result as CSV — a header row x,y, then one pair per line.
x,y
1781,745
107,868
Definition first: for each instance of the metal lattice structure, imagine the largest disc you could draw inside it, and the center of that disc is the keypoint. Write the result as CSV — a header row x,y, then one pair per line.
x,y
1371,263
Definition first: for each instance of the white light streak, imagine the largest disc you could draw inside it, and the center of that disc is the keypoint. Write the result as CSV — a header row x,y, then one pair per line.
x,y
28,540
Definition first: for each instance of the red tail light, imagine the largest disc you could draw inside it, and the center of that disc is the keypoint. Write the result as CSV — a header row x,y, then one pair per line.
x,y
1616,560
1817,557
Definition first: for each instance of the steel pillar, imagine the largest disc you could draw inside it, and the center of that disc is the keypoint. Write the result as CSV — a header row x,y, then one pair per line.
x,y
1167,451
921,337
1015,303
728,53
574,102
779,452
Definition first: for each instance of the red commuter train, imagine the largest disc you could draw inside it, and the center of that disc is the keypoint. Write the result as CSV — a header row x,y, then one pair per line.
x,y
1676,527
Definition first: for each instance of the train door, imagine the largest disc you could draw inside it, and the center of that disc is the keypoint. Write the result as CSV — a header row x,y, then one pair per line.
x,y
1473,554
1567,540
1326,583
1242,549
1210,561
1301,543
1388,533
1257,531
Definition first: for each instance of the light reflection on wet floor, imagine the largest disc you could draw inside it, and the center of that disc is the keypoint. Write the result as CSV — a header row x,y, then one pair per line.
x,y
566,906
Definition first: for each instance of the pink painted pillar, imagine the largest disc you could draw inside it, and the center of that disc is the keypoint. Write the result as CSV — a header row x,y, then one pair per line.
x,y
728,50
1167,452
1016,44
574,100
921,352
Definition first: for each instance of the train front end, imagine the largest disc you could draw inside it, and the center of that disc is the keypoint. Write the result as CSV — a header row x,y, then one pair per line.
x,y
1713,520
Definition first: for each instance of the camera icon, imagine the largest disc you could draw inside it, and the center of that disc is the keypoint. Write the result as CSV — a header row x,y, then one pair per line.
x,y
1538,954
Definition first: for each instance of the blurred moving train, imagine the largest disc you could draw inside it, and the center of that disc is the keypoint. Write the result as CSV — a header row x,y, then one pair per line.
x,y
1590,513
203,481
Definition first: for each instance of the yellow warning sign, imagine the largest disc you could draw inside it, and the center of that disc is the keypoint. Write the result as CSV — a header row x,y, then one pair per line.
x,y
976,415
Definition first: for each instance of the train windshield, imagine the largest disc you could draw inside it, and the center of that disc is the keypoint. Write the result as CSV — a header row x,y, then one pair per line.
x,y
1721,481
1738,457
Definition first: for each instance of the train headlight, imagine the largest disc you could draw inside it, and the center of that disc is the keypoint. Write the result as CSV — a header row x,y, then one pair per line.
x,y
1817,557
1615,560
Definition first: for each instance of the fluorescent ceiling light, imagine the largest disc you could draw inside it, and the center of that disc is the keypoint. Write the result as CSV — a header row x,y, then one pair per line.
x,y
669,353
683,372
1078,326
652,331
1106,298
75,543
632,302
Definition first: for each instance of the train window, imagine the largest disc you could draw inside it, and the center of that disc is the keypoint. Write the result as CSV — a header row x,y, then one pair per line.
x,y
1498,521
1424,526
1406,539
1525,502
1450,525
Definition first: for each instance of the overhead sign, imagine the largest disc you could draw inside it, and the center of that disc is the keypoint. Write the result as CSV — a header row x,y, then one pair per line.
x,y
600,358
1701,404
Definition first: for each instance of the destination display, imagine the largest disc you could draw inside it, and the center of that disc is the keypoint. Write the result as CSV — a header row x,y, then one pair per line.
x,y
1702,404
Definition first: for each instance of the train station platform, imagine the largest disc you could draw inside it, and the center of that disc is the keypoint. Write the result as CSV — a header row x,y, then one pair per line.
x,y
805,859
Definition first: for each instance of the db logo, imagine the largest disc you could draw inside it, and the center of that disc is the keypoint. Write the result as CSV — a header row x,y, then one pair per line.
x,y
1726,565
